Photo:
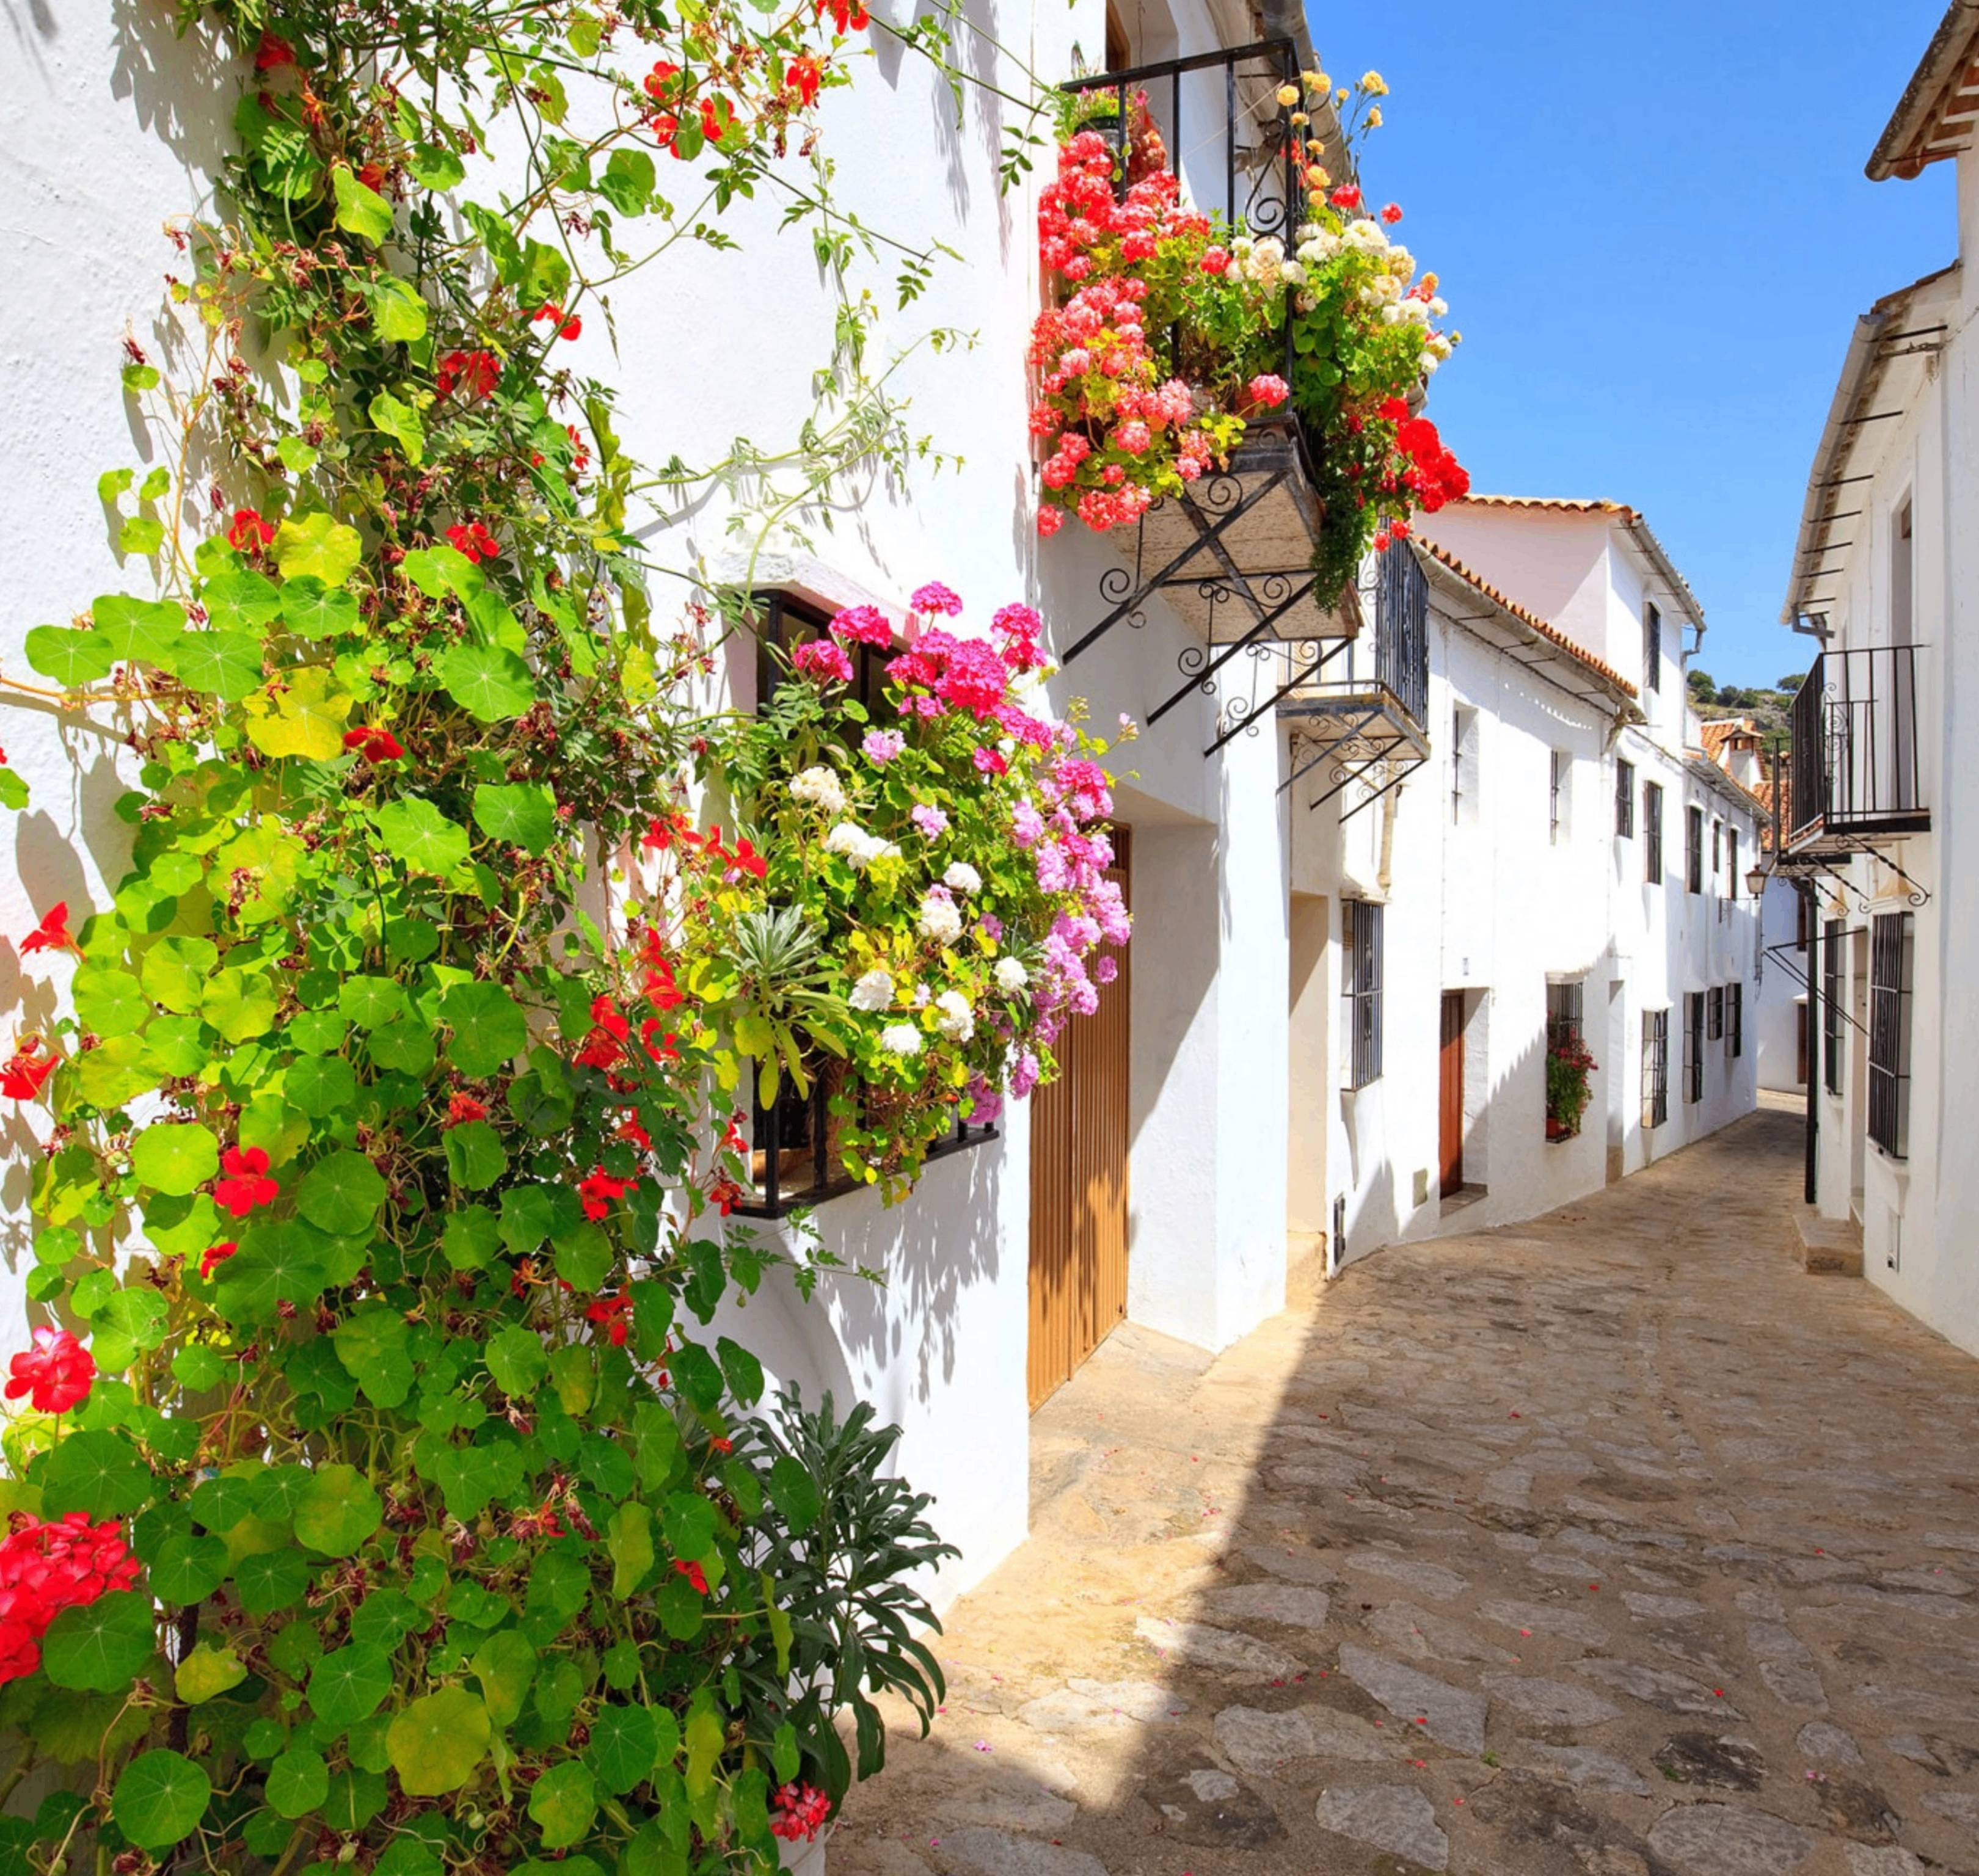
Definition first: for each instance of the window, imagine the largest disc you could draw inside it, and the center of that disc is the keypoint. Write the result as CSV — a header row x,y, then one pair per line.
x,y
1656,1067
1565,1013
1462,766
1562,769
1693,1047
1362,939
1693,850
1890,945
1831,1005
1652,647
1717,843
785,622
1625,800
1652,833
1714,1014
1803,924
1731,860
1735,1021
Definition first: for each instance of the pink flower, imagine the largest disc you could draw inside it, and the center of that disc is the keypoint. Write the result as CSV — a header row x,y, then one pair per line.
x,y
1269,390
883,745
821,659
931,821
1050,520
989,761
862,625
1106,968
1024,1076
934,598
983,1105
1214,260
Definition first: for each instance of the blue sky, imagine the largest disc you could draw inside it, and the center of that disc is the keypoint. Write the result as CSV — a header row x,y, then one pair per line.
x,y
1654,233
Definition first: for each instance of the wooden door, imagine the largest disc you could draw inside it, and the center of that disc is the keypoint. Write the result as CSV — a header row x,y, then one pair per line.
x,y
1449,1127
1078,1180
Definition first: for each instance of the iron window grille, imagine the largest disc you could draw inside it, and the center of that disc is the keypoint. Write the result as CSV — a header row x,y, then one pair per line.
x,y
1625,800
1653,833
1652,647
1831,1005
1656,1067
1693,850
1735,1019
1363,941
1731,860
1566,1014
1401,632
1714,1014
1891,947
1717,843
1693,1047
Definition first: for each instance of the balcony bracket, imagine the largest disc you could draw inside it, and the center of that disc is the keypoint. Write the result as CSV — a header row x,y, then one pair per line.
x,y
1861,843
1789,865
1242,714
1281,590
1395,781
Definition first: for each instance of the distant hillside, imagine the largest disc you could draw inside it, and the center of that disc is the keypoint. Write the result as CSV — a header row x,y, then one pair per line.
x,y
1771,709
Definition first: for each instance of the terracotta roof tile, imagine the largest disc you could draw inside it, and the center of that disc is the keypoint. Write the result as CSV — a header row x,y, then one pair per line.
x,y
1560,504
1551,633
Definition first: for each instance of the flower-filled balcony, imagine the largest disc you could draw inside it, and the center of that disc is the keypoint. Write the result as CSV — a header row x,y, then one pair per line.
x,y
1232,354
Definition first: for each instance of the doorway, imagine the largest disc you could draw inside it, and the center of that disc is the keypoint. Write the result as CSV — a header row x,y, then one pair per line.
x,y
1449,1105
1078,1179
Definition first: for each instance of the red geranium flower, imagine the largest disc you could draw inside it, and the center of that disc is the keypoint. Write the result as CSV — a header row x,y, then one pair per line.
x,y
22,1074
273,52
474,540
56,1374
1346,196
249,534
213,1256
51,934
374,744
801,1811
246,1185
693,1572
477,373
1392,214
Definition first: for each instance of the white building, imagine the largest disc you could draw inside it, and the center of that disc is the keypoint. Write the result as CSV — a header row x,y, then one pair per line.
x,y
1883,578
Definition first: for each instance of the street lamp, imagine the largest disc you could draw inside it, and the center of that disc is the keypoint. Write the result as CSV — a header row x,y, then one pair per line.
x,y
1755,881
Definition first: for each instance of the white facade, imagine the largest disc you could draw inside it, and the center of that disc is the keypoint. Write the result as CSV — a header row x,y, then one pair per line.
x,y
1895,593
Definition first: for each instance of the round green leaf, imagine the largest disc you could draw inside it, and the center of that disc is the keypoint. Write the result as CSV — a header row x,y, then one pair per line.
x,y
490,683
175,1157
505,1666
515,1357
146,630
208,1672
160,1799
97,1472
517,813
563,1801
110,1002
436,1742
317,547
341,1194
298,1782
320,1085
176,970
360,208
624,1740
416,832
98,1647
187,1570
312,610
338,1510
72,656
271,1581
488,1029
225,665
348,1685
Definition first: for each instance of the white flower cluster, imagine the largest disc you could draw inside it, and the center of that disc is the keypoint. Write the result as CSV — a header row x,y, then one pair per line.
x,y
955,1020
1011,975
821,787
873,991
940,920
1264,261
900,1038
852,842
962,877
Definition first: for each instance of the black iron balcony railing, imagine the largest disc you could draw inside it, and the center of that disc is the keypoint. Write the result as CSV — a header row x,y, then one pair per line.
x,y
1857,770
1401,630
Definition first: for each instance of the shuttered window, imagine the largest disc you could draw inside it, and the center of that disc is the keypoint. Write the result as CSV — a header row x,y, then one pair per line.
x,y
1890,945
1625,800
1652,833
1735,1020
1362,941
1693,850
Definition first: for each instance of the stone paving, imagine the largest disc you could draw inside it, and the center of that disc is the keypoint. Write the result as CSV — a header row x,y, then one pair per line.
x,y
1610,1545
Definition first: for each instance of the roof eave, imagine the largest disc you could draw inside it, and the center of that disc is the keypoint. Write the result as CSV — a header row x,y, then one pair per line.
x,y
1896,153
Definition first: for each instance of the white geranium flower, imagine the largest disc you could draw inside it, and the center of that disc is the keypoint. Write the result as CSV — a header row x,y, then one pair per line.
x,y
856,845
821,787
873,991
1011,975
962,877
900,1038
939,920
956,1020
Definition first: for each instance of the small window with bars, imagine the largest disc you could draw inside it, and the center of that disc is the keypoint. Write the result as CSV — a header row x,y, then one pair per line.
x,y
1693,1047
1656,1067
1653,833
1735,1020
1693,850
1652,647
1731,861
1362,942
1891,945
1831,1005
1565,1013
1462,766
1714,1013
1625,800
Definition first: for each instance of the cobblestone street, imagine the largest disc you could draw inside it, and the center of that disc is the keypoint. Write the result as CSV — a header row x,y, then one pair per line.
x,y
1611,1544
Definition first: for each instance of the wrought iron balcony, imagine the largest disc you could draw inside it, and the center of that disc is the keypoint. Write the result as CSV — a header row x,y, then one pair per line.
x,y
1856,768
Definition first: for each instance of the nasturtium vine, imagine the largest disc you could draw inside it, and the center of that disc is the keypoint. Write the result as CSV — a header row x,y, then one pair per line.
x,y
392,1500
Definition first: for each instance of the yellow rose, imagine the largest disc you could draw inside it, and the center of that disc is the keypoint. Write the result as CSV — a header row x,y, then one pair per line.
x,y
1429,282
1373,83
1340,96
1321,83
1374,117
1289,95
1317,178
1300,120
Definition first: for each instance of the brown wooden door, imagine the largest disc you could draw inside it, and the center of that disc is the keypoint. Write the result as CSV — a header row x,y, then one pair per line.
x,y
1450,1129
1079,1180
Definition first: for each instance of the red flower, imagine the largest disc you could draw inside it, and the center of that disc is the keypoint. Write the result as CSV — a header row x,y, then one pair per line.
x,y
599,1190
56,1374
273,52
473,540
632,1128
1381,542
1395,410
605,1044
246,1185
1392,214
566,328
462,1108
663,74
717,114
821,659
609,1313
990,761
801,1811
213,1256
666,1051
45,1569
1346,196
374,744
722,1445
862,625
727,1195
848,15
1214,260
372,175
693,1572
806,75
249,534
22,1074
743,858
51,934
476,372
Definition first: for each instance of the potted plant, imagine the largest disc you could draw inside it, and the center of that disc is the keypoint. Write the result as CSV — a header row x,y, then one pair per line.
x,y
1569,1064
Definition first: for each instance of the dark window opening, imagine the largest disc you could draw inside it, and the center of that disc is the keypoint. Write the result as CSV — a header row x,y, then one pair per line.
x,y
1693,1047
1652,647
1362,939
1714,1015
1656,1067
1831,1005
1566,1014
1891,945
784,622
1735,1020
1732,860
1625,800
1693,850
1652,833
